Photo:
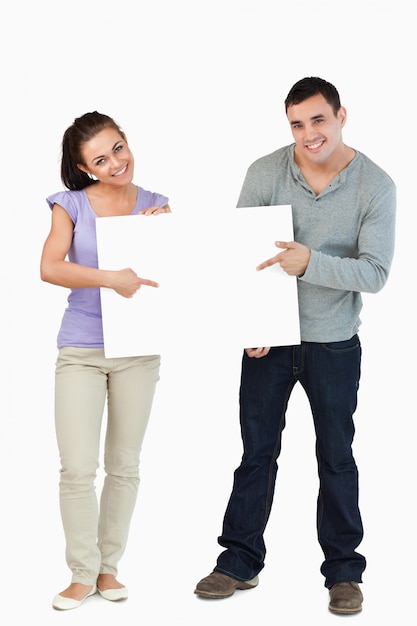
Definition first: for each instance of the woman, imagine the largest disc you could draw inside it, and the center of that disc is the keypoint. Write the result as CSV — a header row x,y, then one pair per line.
x,y
97,170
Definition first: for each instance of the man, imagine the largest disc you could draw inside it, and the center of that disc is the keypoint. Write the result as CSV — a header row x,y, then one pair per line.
x,y
343,208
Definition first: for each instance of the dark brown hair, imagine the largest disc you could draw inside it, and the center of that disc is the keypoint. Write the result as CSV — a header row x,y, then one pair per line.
x,y
311,86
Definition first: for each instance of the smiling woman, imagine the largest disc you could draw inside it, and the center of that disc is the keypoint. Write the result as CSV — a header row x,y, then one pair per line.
x,y
97,168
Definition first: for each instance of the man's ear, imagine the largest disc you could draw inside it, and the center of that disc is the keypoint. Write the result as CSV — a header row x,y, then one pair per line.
x,y
342,115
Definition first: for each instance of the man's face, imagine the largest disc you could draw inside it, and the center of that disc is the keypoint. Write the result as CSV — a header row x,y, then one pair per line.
x,y
317,131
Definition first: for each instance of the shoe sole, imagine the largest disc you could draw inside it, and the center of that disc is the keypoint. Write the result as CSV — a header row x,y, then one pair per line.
x,y
213,596
345,611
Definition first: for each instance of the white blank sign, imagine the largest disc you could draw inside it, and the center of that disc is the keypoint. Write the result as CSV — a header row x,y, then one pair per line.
x,y
210,291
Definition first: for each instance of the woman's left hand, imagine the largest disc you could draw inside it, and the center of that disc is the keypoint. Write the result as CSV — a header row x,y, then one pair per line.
x,y
155,210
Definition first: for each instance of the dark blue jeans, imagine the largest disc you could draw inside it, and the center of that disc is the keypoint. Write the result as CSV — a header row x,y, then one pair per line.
x,y
329,374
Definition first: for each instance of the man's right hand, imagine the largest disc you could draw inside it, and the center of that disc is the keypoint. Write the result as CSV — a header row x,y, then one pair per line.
x,y
257,353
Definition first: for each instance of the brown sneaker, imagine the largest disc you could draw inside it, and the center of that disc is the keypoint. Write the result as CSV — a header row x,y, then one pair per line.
x,y
345,598
218,585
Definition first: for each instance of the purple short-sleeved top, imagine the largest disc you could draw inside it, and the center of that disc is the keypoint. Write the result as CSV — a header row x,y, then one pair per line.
x,y
81,324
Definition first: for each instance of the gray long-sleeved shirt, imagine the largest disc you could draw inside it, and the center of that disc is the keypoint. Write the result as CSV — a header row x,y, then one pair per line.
x,y
349,228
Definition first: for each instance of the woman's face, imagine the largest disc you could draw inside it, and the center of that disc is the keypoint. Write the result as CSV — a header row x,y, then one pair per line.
x,y
108,158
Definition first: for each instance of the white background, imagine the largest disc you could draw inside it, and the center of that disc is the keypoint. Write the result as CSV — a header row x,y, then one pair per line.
x,y
199,89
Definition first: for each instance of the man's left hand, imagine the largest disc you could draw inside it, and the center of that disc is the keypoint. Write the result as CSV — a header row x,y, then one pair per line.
x,y
294,259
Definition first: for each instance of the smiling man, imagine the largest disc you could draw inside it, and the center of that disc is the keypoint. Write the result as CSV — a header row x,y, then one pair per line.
x,y
343,208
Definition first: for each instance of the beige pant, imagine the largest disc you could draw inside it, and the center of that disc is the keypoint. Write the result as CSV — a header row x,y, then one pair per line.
x,y
96,540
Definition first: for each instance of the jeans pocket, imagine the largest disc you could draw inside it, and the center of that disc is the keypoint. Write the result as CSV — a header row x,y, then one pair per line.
x,y
342,346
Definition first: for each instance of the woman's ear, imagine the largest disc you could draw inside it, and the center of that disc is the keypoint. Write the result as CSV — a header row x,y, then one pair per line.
x,y
82,168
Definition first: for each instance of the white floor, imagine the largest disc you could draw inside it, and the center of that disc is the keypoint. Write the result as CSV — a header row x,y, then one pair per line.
x,y
187,466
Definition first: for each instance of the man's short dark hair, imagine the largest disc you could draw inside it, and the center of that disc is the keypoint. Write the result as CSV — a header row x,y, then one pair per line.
x,y
311,86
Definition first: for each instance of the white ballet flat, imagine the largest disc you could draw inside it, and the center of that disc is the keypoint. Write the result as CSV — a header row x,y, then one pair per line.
x,y
64,604
114,595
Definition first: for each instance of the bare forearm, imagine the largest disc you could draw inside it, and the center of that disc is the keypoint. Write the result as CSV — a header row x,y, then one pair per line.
x,y
74,276
66,274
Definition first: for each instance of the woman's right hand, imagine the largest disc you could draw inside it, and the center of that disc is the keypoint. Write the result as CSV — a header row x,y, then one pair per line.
x,y
126,282
57,270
